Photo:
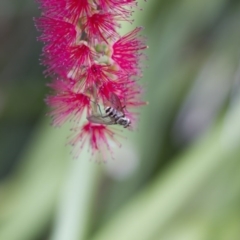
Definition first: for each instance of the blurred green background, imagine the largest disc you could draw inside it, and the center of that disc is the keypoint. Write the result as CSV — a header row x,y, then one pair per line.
x,y
176,178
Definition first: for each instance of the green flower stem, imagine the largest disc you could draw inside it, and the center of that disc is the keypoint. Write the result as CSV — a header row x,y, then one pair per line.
x,y
72,220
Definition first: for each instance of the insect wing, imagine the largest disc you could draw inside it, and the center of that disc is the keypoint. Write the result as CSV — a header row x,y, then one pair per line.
x,y
99,119
116,103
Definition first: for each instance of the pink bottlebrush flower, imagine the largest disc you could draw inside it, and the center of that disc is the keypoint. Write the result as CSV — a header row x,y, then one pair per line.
x,y
93,66
98,136
67,102
133,93
69,60
111,87
97,75
52,8
71,10
77,58
55,33
76,9
101,27
126,51
121,7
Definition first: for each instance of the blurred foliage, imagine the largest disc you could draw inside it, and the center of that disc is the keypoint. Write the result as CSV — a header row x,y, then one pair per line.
x,y
177,177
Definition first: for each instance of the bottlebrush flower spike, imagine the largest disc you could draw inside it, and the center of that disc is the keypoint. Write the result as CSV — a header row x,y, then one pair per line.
x,y
92,66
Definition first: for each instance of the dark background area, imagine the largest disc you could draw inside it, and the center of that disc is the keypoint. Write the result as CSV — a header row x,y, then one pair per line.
x,y
21,82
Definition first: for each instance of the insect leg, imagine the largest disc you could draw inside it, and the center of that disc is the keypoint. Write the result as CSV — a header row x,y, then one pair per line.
x,y
98,107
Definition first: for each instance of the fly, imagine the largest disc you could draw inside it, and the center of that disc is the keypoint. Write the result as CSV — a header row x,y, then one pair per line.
x,y
113,114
